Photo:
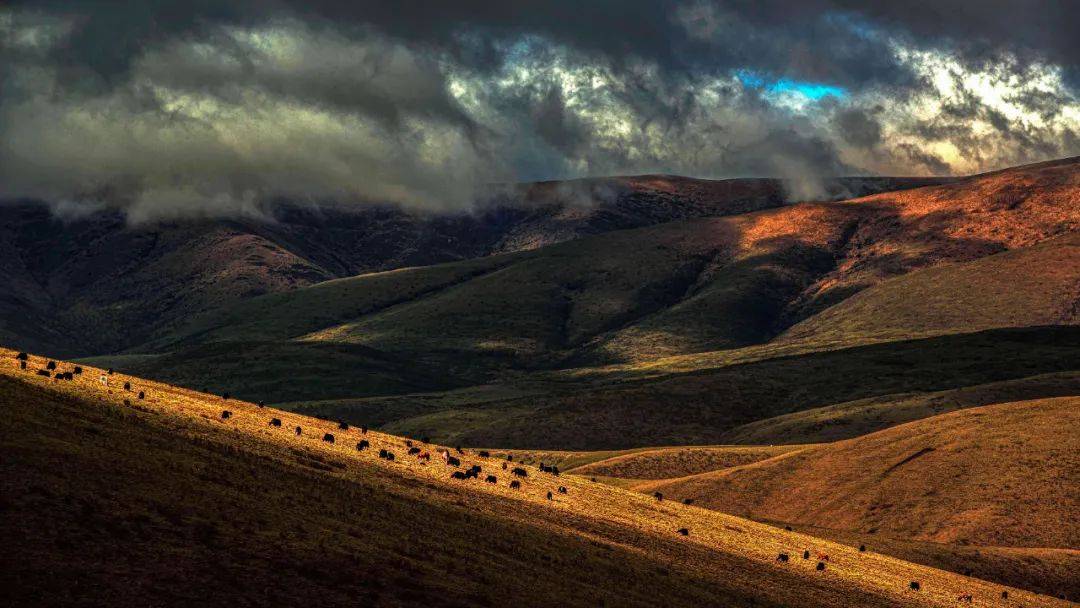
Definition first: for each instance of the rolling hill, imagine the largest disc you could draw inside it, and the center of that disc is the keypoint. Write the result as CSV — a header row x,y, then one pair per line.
x,y
997,475
680,296
92,282
103,489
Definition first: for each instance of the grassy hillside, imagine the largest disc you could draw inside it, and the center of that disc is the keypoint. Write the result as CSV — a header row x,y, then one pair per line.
x,y
1038,285
101,493
999,475
705,407
864,416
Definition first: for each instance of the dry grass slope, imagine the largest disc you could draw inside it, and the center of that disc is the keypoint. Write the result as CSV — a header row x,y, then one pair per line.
x,y
104,491
998,475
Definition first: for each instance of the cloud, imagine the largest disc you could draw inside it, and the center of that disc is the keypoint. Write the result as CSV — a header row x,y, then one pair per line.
x,y
168,109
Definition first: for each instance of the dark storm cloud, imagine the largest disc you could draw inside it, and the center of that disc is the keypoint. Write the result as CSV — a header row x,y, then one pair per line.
x,y
211,106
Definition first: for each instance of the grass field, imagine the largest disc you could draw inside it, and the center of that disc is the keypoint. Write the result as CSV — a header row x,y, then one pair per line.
x,y
104,490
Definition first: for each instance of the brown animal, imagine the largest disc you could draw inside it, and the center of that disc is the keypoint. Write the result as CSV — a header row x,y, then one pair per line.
x,y
822,557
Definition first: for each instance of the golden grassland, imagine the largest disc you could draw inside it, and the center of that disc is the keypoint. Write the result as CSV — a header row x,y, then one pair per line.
x,y
159,500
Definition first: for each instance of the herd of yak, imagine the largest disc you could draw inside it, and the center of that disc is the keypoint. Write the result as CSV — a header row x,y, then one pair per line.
x,y
473,472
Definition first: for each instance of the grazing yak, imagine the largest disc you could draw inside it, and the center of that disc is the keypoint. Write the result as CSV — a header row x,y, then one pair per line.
x,y
363,429
225,396
226,414
22,357
299,431
806,554
142,395
77,371
344,426
515,485
453,462
491,479
414,450
820,566
782,557
363,443
485,454
913,585
390,456
328,438
562,489
127,386
549,496
862,548
50,365
275,422
519,472
458,475
658,495
382,453
22,364
684,531
688,501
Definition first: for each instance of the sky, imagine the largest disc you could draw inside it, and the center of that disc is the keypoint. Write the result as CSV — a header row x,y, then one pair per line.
x,y
204,107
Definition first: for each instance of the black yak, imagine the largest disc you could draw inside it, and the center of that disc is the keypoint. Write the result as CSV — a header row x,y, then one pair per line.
x,y
862,548
22,357
515,484
382,453
226,414
806,554
127,386
225,396
485,454
414,450
491,479
77,370
688,501
298,431
22,364
783,557
520,472
659,496
458,475
820,566
549,496
684,531
142,395
344,426
454,462
363,443
562,489
914,585
363,429
328,438
275,422
50,365
390,456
